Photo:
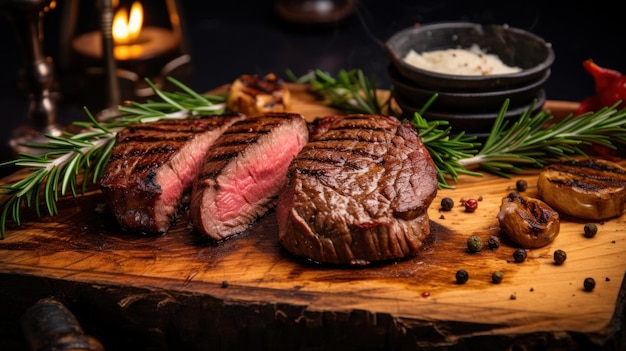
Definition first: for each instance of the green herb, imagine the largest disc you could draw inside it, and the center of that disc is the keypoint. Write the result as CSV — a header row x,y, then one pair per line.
x,y
530,142
351,91
55,169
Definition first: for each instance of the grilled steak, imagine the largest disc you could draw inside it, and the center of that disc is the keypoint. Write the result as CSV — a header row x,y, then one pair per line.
x,y
358,192
152,165
244,171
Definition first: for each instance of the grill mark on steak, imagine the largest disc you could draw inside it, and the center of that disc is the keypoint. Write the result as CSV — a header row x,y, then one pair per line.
x,y
358,192
243,173
152,165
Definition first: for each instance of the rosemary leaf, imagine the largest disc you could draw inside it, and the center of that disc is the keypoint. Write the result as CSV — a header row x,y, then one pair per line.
x,y
56,171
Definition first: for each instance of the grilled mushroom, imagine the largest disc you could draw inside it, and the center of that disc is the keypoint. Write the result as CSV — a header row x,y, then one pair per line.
x,y
588,189
527,221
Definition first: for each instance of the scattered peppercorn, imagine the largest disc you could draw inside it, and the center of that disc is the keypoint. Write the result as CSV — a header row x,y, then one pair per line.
x,y
559,257
447,204
496,277
521,185
470,205
493,242
461,276
590,230
519,255
474,243
589,284
513,297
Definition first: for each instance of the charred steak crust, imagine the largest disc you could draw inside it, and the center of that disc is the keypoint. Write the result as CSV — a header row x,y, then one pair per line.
x,y
152,165
244,171
358,192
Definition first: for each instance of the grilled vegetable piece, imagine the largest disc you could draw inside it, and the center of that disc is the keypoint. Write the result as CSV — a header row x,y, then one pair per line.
x,y
252,95
590,189
527,221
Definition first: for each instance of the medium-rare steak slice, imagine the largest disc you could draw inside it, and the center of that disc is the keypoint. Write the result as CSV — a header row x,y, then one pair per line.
x,y
153,164
358,192
244,172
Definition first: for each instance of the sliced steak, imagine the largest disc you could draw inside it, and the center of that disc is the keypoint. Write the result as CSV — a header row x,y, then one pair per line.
x,y
152,165
358,192
244,172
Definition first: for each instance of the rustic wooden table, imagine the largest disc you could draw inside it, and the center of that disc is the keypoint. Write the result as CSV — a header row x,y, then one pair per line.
x,y
178,291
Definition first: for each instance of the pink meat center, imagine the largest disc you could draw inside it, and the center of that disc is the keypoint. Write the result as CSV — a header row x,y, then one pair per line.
x,y
256,179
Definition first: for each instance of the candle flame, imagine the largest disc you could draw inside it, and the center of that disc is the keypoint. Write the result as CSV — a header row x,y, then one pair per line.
x,y
126,27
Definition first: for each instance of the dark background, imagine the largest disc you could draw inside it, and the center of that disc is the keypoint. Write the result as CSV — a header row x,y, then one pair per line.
x,y
230,38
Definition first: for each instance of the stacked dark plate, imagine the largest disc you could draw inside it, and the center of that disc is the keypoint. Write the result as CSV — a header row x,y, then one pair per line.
x,y
470,102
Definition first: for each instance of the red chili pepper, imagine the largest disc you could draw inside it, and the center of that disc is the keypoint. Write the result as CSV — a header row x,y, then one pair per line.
x,y
610,87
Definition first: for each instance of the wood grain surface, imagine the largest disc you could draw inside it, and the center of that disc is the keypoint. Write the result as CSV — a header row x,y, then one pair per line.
x,y
181,292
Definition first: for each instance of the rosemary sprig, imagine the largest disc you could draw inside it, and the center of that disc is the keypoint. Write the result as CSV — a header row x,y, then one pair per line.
x,y
55,170
351,91
529,142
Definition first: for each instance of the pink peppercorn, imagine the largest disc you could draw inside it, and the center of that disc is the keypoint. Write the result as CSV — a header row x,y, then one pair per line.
x,y
470,205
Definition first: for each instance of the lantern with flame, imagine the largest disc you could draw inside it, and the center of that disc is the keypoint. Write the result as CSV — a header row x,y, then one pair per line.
x,y
147,42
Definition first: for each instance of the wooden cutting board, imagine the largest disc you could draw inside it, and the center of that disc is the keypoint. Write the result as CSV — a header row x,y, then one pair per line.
x,y
181,292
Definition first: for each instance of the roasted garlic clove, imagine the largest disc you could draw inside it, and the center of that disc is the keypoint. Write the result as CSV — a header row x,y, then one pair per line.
x,y
529,222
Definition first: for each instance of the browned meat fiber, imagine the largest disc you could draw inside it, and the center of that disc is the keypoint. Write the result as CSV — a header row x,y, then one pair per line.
x,y
244,172
358,192
152,165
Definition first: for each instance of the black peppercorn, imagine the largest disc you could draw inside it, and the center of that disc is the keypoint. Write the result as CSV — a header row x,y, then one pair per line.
x,y
474,243
590,230
493,242
589,284
461,276
521,185
559,257
447,204
519,255
496,277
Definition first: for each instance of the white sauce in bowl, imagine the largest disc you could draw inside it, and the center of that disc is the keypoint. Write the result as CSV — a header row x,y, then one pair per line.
x,y
468,62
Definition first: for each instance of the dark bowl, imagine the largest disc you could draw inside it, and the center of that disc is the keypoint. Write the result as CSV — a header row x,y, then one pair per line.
x,y
514,47
465,101
471,123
